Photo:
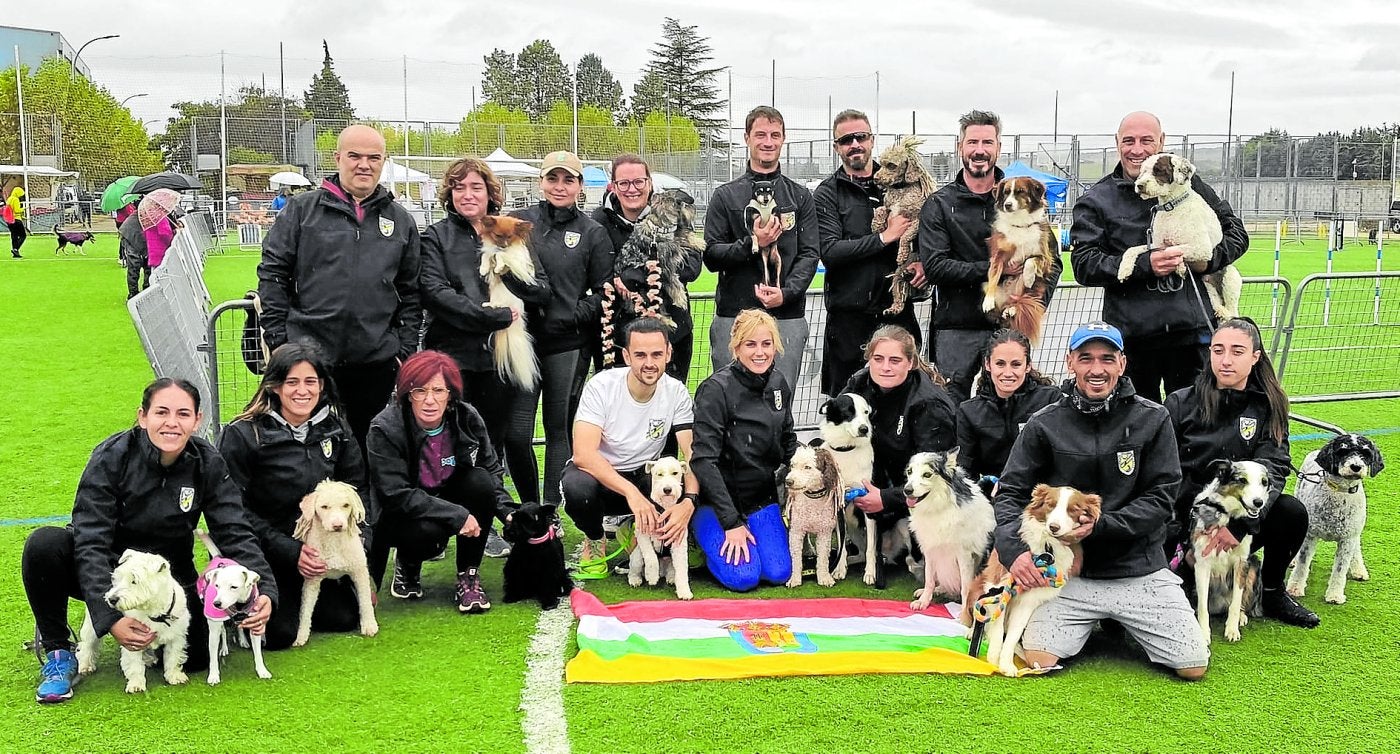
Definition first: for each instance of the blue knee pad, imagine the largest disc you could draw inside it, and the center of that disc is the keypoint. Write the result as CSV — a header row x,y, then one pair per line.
x,y
709,534
771,535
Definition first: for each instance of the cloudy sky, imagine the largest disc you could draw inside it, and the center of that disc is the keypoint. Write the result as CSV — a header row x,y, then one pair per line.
x,y
1296,67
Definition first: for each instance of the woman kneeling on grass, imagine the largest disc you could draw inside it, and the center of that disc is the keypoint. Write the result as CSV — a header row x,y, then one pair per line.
x,y
290,438
743,432
143,489
436,476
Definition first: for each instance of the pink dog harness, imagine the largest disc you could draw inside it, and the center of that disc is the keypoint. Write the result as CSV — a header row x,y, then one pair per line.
x,y
207,594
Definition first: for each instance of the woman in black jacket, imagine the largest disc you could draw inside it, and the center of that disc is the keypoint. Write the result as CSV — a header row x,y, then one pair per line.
x,y
435,475
290,438
743,432
576,254
1009,391
1237,411
145,489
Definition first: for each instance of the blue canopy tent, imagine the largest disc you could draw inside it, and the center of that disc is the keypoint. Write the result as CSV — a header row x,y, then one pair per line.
x,y
1055,186
594,176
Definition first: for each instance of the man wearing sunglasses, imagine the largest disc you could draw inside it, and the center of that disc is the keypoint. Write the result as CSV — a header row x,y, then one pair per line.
x,y
730,247
953,230
858,263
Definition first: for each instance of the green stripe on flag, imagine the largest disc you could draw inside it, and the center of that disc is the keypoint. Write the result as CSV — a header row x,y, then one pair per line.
x,y
727,648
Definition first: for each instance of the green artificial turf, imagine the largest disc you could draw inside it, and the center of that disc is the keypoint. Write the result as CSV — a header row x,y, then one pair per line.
x,y
437,681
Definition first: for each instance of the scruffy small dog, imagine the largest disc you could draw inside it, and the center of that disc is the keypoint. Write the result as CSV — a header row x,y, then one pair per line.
x,y
659,245
814,500
330,522
1020,235
1227,581
504,249
1183,218
1331,487
535,567
951,520
667,486
760,211
143,588
73,238
907,186
228,591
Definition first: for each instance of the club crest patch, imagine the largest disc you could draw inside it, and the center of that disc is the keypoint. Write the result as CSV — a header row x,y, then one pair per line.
x,y
1248,426
655,428
571,238
386,227
777,400
1127,462
450,461
186,499
326,447
789,220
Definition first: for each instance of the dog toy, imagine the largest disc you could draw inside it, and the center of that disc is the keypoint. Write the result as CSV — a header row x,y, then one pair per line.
x,y
994,602
854,494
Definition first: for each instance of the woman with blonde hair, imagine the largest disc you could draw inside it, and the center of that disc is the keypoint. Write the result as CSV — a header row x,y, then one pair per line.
x,y
743,432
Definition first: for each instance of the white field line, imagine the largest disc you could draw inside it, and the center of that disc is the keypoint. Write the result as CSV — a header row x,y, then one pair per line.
x,y
542,698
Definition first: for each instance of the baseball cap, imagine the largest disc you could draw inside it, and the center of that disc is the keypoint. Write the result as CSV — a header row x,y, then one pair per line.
x,y
1096,331
561,160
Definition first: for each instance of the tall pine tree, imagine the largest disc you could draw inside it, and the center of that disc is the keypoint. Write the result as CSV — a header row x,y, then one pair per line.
x,y
499,83
542,78
597,87
327,98
679,61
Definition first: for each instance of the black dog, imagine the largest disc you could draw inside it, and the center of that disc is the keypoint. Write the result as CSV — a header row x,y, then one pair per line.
x,y
535,567
74,238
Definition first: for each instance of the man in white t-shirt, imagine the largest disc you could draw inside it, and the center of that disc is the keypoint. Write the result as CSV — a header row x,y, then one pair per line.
x,y
623,421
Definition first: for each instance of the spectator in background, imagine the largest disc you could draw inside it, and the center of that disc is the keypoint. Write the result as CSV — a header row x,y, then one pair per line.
x,y
859,263
158,239
280,201
729,247
340,267
132,249
13,214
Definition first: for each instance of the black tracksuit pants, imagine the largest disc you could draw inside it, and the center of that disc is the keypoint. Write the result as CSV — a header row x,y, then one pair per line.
x,y
418,540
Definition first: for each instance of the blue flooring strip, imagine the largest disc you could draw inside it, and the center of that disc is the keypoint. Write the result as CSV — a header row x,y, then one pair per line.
x,y
1294,437
34,521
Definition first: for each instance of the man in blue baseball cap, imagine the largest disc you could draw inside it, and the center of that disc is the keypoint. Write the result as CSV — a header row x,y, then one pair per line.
x,y
1103,438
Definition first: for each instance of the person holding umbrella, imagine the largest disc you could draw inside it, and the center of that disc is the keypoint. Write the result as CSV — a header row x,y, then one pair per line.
x,y
155,214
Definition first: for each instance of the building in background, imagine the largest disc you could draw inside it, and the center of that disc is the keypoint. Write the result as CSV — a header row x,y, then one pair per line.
x,y
34,46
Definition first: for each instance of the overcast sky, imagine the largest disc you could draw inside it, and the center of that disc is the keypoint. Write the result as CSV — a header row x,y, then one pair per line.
x,y
1301,65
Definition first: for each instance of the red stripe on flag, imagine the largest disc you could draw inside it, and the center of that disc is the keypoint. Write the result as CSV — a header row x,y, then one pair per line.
x,y
655,611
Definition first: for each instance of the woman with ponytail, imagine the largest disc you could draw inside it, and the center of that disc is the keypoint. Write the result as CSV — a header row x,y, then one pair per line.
x,y
1008,391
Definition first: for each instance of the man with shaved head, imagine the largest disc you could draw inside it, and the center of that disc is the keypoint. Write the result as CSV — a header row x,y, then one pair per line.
x,y
1166,321
340,269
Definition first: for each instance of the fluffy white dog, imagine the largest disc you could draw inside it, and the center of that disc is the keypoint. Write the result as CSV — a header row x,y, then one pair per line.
x,y
951,520
144,589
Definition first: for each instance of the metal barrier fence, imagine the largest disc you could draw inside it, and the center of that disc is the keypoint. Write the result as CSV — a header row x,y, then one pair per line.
x,y
1264,299
1342,341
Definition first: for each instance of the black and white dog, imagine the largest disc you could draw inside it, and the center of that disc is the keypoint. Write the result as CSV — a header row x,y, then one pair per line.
x,y
1227,581
535,567
1330,487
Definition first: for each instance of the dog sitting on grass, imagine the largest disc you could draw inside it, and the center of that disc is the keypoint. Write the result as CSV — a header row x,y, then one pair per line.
x,y
143,588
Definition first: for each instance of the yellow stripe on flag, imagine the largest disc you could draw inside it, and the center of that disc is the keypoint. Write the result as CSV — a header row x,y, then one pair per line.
x,y
588,667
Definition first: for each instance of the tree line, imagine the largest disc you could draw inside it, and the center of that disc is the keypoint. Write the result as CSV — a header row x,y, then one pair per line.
x,y
1367,153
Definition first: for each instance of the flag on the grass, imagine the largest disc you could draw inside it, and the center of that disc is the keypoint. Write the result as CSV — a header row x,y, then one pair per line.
x,y
639,642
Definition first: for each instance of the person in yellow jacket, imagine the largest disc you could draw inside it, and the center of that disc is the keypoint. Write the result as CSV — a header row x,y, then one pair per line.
x,y
14,217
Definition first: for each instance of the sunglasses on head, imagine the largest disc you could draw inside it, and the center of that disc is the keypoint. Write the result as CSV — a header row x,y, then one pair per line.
x,y
852,138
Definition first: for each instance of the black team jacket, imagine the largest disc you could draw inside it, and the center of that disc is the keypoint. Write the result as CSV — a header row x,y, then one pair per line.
x,y
729,245
743,432
577,256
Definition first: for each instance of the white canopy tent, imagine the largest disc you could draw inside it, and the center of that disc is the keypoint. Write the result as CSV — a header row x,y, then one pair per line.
x,y
396,173
505,166
35,171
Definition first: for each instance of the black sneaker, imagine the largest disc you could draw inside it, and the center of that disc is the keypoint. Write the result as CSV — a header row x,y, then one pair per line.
x,y
408,582
1277,604
495,546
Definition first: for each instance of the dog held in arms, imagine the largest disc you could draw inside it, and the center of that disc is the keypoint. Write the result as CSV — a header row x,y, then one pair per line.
x,y
907,186
1330,487
1183,218
667,486
952,521
1021,235
330,522
143,588
814,501
504,249
1227,580
535,567
228,591
1052,515
760,211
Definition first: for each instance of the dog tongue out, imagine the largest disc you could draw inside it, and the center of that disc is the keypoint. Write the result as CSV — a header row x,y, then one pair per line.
x,y
911,501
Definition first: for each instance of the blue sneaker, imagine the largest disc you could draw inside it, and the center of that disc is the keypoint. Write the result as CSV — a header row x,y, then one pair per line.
x,y
59,674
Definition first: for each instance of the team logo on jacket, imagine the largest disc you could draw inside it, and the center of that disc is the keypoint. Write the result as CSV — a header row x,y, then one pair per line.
x,y
450,461
1127,462
899,428
1248,426
656,428
326,447
386,227
777,400
571,238
186,499
789,220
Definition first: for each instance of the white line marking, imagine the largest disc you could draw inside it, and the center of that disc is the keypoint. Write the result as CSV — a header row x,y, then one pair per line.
x,y
542,698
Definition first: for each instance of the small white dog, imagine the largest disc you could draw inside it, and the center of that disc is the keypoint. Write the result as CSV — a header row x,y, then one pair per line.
x,y
1330,487
1227,581
228,591
813,503
504,249
846,432
1183,218
329,522
951,520
143,588
667,486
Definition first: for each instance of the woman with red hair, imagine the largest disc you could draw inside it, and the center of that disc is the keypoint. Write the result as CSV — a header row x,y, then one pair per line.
x,y
435,476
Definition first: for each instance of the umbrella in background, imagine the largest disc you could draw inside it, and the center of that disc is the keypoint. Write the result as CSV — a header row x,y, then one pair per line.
x,y
288,178
166,180
118,194
156,206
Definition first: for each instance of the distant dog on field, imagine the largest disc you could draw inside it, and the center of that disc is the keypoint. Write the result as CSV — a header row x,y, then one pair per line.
x,y
1021,235
504,249
73,238
907,186
228,591
1330,487
1227,581
330,522
951,520
667,486
813,503
143,588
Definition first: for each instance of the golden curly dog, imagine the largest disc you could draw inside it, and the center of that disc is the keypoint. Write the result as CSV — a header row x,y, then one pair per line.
x,y
907,186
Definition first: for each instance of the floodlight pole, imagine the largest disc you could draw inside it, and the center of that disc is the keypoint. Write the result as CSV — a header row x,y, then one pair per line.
x,y
72,66
132,97
223,141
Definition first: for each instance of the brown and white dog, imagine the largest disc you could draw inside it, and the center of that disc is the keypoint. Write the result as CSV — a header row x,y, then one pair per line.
x,y
1052,514
951,520
504,249
1021,235
330,522
667,486
907,186
814,500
